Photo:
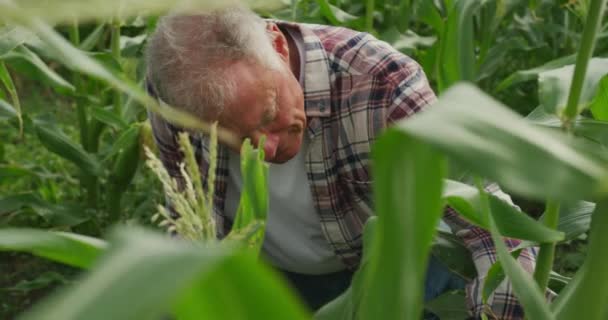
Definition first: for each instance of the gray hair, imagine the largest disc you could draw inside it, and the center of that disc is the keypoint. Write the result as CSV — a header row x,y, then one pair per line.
x,y
187,54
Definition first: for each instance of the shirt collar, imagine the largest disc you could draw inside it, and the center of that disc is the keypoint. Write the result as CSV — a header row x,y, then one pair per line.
x,y
316,85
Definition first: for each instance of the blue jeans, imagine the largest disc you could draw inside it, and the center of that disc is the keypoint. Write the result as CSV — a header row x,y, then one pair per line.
x,y
317,290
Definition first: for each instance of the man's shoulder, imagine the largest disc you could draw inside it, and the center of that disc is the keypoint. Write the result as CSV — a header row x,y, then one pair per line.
x,y
358,53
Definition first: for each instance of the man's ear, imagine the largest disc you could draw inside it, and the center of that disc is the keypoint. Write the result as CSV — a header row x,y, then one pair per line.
x,y
278,40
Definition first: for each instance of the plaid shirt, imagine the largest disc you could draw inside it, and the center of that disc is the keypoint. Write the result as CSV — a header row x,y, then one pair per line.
x,y
354,86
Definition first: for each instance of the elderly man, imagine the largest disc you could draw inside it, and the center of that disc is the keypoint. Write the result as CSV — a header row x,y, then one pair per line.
x,y
320,95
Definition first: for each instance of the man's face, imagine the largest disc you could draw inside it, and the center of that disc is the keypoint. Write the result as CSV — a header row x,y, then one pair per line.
x,y
269,103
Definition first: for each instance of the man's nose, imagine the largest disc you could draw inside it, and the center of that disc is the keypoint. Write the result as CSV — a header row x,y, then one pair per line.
x,y
270,145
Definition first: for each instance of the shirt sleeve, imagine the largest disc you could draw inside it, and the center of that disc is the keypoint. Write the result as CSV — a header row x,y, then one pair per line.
x,y
413,94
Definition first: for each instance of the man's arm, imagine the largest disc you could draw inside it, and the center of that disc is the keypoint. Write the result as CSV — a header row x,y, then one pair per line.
x,y
412,94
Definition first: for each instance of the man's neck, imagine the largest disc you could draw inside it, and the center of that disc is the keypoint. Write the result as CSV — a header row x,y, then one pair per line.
x,y
294,55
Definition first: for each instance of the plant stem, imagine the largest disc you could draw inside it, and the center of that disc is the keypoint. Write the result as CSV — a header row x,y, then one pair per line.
x,y
544,261
585,52
115,48
88,182
369,15
80,110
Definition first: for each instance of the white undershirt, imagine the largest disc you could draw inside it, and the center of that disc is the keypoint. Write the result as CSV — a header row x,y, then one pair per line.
x,y
294,240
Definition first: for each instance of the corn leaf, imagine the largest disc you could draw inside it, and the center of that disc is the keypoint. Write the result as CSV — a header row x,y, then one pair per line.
x,y
452,252
599,105
57,142
7,111
41,68
71,249
485,137
554,85
511,222
532,74
589,287
250,220
524,286
169,274
66,11
457,44
408,181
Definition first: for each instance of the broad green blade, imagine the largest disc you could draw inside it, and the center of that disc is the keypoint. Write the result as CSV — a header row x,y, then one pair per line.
x,y
66,11
532,74
458,44
494,278
13,36
575,219
407,195
41,69
525,288
7,111
144,275
57,142
255,293
68,248
449,306
554,85
109,117
594,130
335,15
346,306
56,215
487,138
589,288
511,222
599,105
452,252
253,205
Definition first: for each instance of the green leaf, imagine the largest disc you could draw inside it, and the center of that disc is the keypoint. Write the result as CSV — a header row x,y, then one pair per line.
x,y
7,111
58,82
554,85
589,287
408,181
13,172
93,38
346,306
449,306
575,219
57,215
13,36
109,117
452,252
253,205
169,273
524,286
594,130
7,80
511,222
457,44
66,11
599,105
68,248
335,15
487,138
495,277
532,74
57,142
